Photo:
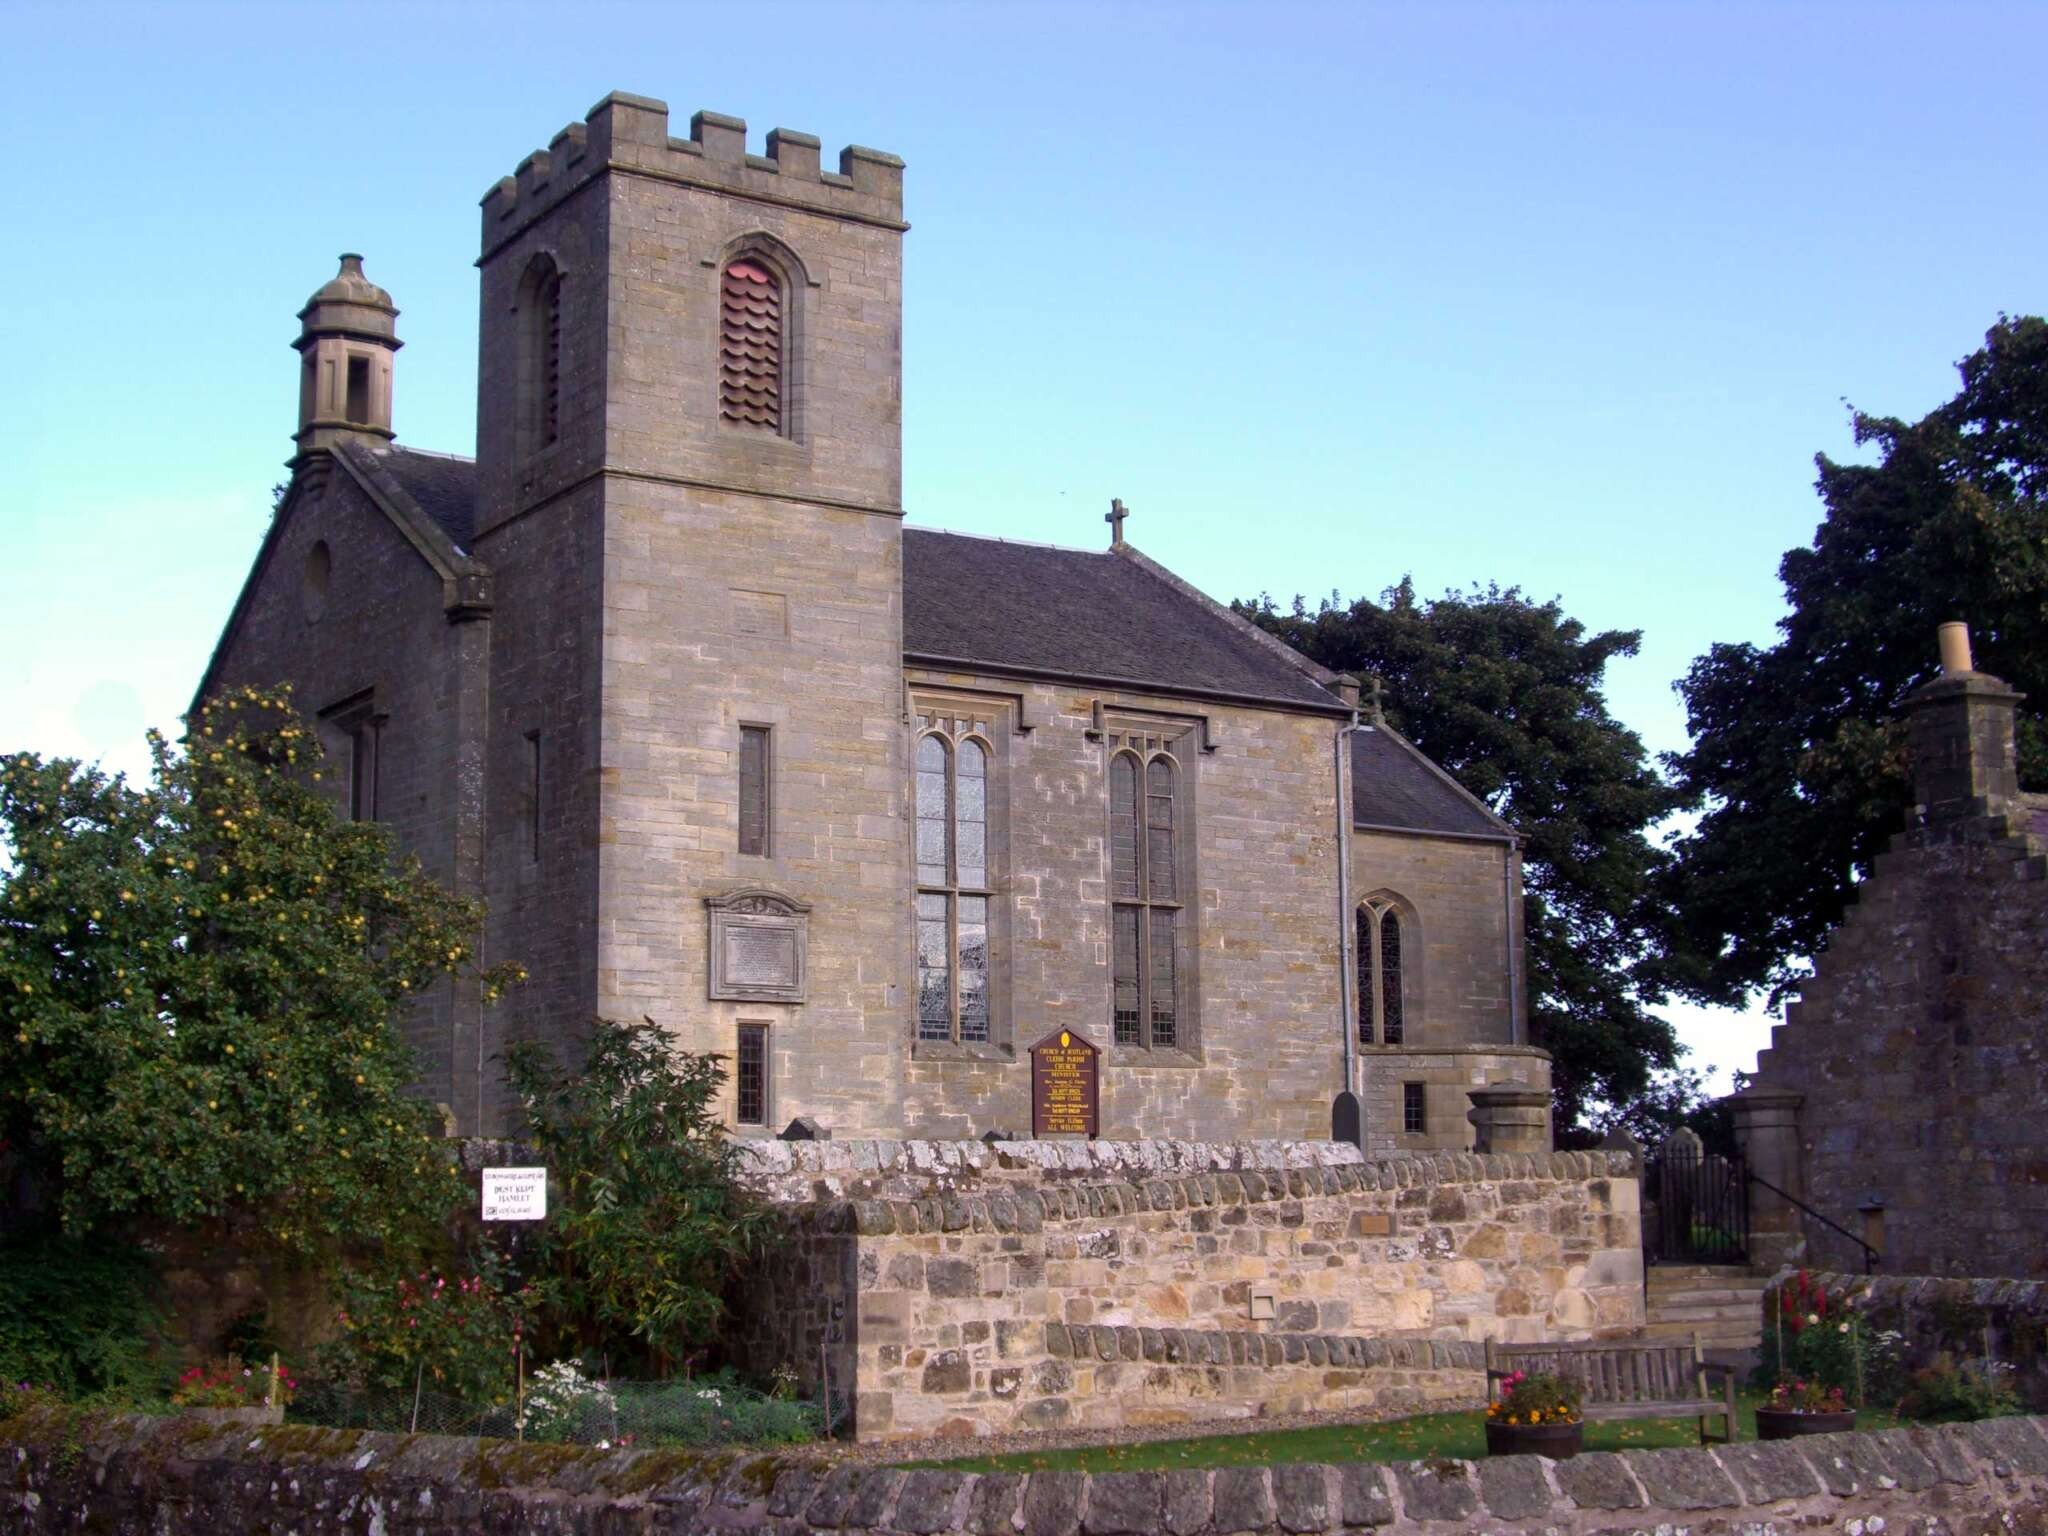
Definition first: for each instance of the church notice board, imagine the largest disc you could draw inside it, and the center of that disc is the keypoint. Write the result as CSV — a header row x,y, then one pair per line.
x,y
1065,1094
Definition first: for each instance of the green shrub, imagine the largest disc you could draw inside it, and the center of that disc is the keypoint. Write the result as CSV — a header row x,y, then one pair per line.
x,y
646,1224
79,1318
1950,1393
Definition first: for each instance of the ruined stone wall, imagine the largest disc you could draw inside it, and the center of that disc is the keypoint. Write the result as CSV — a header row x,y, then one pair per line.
x,y
1917,1051
128,1477
1084,1303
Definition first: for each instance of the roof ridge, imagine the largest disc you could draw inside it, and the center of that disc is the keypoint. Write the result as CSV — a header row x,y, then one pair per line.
x,y
426,453
996,538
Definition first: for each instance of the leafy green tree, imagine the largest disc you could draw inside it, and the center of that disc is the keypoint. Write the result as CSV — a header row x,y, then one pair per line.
x,y
646,1225
1798,752
1504,694
198,985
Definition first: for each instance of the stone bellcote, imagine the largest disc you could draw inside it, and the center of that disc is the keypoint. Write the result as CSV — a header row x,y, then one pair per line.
x,y
1962,728
347,340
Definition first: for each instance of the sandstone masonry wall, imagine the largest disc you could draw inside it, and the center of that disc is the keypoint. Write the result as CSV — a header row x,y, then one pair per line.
x,y
128,1477
1918,1053
380,632
1054,1303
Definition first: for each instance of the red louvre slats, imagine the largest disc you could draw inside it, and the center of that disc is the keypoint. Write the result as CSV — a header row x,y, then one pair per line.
x,y
750,346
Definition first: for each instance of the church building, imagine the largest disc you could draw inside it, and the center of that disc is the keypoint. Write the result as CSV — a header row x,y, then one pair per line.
x,y
662,677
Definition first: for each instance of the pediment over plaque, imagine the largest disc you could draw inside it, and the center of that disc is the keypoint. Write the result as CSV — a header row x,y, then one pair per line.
x,y
759,944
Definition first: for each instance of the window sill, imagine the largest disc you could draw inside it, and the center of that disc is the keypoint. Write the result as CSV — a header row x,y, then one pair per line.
x,y
1138,1056
955,1050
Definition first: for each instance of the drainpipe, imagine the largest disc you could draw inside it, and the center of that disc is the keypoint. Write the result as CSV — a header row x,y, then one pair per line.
x,y
1347,967
1511,858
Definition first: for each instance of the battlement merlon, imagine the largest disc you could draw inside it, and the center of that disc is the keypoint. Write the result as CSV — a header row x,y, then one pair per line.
x,y
630,134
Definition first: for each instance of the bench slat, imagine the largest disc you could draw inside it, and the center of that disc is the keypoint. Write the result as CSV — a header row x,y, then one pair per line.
x,y
1677,1408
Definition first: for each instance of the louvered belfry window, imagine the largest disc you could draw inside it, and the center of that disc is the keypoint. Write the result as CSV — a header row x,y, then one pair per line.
x,y
750,346
1145,905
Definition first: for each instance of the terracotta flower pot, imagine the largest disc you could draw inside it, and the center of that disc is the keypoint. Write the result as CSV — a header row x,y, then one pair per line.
x,y
1557,1441
1786,1423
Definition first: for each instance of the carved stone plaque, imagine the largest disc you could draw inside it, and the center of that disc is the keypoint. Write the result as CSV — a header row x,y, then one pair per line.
x,y
759,956
1065,1093
758,941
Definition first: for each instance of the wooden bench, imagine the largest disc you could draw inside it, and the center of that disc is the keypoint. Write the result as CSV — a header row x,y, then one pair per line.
x,y
1628,1379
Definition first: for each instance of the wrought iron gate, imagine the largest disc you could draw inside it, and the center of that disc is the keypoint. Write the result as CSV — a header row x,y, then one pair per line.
x,y
1698,1208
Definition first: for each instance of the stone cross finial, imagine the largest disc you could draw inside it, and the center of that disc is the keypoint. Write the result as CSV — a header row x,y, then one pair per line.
x,y
1378,706
1115,518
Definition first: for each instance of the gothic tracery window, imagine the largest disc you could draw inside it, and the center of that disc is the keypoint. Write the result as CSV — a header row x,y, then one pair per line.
x,y
750,345
1382,996
953,885
1145,891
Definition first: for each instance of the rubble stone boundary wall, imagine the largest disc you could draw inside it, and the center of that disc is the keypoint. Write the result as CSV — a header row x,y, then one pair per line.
x,y
1092,1302
128,1477
802,1171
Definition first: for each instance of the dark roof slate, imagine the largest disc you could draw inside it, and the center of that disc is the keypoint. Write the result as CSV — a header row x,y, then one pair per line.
x,y
1394,785
1080,613
443,486
991,602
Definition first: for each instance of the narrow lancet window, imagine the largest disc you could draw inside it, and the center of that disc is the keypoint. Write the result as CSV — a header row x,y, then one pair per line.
x,y
953,888
1382,995
1144,883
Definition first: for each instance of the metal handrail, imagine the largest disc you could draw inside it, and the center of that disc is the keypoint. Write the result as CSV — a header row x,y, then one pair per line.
x,y
1871,1257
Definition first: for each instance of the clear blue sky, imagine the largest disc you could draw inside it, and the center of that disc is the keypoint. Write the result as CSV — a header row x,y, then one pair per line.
x,y
1557,295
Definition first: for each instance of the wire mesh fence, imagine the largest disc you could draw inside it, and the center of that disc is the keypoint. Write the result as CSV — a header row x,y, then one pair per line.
x,y
571,1409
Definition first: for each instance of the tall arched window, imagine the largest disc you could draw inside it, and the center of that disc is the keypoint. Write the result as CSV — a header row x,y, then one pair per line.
x,y
952,888
751,345
540,356
1145,895
1382,995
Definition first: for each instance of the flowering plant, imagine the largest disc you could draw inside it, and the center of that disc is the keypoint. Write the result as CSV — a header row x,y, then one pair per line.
x,y
459,1334
229,1383
1793,1395
1538,1398
1815,1336
561,1400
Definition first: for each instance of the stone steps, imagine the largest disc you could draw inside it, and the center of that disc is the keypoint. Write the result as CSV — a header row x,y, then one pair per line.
x,y
1721,1303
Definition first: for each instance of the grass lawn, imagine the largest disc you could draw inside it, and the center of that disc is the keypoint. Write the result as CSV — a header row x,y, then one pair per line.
x,y
1416,1439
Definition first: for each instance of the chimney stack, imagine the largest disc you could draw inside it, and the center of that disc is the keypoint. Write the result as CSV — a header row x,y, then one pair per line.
x,y
1962,727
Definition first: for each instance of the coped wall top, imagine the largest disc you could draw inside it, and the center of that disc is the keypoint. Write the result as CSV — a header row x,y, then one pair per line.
x,y
630,134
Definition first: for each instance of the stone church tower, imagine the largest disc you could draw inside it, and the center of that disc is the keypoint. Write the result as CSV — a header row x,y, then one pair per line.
x,y
689,464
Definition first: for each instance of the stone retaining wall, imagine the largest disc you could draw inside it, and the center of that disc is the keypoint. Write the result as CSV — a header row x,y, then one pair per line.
x,y
1037,1303
1964,1319
795,1172
172,1478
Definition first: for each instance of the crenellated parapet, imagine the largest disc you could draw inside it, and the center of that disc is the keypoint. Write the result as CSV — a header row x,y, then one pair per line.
x,y
630,134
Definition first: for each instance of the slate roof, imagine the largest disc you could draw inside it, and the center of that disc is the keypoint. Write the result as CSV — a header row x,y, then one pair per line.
x,y
1394,785
1081,613
993,603
442,484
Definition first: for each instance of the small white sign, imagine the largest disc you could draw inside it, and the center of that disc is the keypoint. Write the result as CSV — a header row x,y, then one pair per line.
x,y
515,1194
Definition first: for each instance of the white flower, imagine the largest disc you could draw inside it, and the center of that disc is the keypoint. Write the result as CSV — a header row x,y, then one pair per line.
x,y
1813,1317
1841,1327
